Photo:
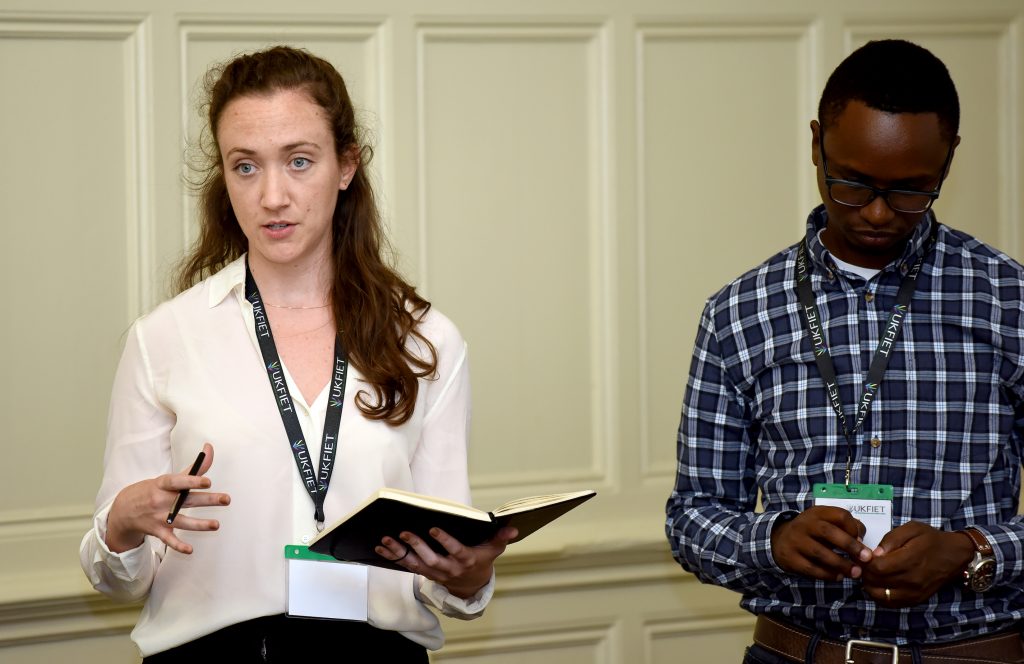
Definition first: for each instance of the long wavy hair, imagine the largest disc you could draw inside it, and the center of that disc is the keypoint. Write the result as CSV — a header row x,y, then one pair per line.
x,y
375,310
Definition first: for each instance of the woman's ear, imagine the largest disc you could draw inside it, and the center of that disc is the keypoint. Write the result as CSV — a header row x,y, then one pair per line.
x,y
349,165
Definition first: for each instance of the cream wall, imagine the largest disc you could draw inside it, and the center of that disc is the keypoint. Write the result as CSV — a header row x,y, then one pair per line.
x,y
567,180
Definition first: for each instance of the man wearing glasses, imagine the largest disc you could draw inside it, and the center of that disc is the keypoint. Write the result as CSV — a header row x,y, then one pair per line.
x,y
868,383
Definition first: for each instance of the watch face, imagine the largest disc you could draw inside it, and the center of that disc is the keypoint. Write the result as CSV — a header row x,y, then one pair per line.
x,y
982,574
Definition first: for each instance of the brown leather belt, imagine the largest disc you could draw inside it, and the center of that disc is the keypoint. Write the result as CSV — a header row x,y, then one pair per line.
x,y
789,641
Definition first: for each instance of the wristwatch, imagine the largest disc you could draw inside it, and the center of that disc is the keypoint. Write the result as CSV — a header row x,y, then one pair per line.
x,y
981,571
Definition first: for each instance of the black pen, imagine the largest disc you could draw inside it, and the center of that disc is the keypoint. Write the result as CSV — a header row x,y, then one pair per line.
x,y
183,494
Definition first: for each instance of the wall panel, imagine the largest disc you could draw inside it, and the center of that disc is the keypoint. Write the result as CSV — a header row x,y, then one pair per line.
x,y
512,141
75,264
101,649
719,109
727,636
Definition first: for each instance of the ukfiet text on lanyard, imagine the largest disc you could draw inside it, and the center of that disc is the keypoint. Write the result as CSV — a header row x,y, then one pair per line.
x,y
317,480
880,360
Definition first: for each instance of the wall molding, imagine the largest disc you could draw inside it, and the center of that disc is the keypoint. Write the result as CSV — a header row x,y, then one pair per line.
x,y
708,623
57,516
69,609
62,25
64,619
596,635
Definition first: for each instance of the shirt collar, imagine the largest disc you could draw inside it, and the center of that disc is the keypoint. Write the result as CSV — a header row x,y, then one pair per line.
x,y
229,278
823,257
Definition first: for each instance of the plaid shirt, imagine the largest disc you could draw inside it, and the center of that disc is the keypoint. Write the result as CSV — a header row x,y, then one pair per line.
x,y
949,414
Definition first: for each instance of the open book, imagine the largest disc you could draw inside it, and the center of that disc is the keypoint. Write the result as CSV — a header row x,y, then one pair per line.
x,y
389,512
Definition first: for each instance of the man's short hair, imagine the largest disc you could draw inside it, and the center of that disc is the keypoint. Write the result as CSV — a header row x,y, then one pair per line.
x,y
894,76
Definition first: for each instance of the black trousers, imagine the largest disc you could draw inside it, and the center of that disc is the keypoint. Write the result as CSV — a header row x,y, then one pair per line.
x,y
280,639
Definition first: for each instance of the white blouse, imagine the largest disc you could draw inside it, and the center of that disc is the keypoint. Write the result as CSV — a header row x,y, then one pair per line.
x,y
191,373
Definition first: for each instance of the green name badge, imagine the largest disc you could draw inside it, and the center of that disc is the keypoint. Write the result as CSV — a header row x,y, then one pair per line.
x,y
871,504
864,491
302,552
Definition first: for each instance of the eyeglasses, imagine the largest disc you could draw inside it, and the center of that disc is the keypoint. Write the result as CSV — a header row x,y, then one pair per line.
x,y
858,194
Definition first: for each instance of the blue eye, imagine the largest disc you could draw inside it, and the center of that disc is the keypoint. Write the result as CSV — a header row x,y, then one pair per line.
x,y
245,169
300,163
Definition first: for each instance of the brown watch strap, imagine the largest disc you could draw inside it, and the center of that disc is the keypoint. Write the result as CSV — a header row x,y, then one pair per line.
x,y
980,541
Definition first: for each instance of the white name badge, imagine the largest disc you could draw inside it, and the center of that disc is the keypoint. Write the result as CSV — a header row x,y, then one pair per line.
x,y
871,504
321,587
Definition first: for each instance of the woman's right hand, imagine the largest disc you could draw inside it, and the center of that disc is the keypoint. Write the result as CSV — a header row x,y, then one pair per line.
x,y
141,509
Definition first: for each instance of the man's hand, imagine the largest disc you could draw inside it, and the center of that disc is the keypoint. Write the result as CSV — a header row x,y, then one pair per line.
x,y
913,562
813,544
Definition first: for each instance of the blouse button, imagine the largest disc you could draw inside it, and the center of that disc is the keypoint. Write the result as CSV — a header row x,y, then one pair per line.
x,y
875,442
868,297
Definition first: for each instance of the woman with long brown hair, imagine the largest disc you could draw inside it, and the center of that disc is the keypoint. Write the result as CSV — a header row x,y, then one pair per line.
x,y
318,375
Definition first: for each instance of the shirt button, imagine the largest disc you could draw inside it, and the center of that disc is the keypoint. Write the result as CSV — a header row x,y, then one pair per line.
x,y
863,632
868,297
306,538
875,442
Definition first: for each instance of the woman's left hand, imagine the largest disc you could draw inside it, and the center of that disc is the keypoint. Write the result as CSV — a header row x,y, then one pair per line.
x,y
464,571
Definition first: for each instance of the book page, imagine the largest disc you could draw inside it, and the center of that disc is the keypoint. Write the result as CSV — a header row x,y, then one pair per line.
x,y
433,503
533,502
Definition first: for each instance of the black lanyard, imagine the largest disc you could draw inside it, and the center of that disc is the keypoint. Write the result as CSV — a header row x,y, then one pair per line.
x,y
316,482
890,333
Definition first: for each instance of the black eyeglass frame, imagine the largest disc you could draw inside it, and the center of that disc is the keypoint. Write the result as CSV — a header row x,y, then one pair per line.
x,y
879,191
